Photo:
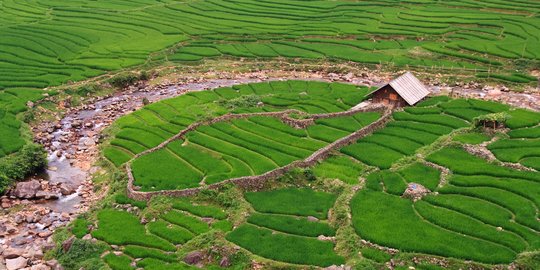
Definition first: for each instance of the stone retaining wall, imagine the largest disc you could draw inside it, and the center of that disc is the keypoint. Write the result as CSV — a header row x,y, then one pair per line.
x,y
256,182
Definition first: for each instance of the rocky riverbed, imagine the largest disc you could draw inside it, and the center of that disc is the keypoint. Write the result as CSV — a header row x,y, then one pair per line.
x,y
35,208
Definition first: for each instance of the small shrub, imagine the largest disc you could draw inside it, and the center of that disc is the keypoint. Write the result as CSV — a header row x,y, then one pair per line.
x,y
82,254
124,80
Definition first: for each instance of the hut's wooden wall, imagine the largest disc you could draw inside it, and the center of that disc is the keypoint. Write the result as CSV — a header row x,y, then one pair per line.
x,y
388,96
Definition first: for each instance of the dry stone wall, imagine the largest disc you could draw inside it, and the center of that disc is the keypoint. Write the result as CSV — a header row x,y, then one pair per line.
x,y
257,182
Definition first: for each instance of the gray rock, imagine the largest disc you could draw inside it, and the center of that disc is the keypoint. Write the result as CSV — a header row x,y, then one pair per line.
x,y
67,188
194,257
40,267
225,262
46,195
17,263
26,190
66,245
12,253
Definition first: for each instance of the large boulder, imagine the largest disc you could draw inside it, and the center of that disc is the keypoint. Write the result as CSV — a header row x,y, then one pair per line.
x,y
26,190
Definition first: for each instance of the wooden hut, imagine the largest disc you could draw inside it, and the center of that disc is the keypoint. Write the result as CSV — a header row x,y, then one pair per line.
x,y
405,90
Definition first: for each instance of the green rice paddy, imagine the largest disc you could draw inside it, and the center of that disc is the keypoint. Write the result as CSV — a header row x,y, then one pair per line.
x,y
48,43
482,211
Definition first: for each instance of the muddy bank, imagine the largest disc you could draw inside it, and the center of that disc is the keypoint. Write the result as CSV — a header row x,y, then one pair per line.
x,y
72,143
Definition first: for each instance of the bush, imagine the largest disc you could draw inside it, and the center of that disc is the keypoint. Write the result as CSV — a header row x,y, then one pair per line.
x,y
82,254
124,80
31,159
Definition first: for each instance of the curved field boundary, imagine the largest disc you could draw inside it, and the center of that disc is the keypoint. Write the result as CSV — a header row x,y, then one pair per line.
x,y
257,181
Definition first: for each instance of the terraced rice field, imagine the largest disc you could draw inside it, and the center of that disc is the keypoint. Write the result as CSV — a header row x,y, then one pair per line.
x,y
286,225
47,43
418,127
475,209
153,245
483,212
251,146
13,102
241,147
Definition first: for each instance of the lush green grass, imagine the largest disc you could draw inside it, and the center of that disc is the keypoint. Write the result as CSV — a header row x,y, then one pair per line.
x,y
123,199
520,118
375,254
121,262
301,202
459,161
199,210
292,225
484,213
418,173
190,223
80,227
339,167
172,233
143,252
392,221
471,138
285,247
122,228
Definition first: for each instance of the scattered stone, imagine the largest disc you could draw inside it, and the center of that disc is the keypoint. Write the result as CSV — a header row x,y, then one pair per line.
x,y
46,195
66,245
40,266
225,262
415,191
312,219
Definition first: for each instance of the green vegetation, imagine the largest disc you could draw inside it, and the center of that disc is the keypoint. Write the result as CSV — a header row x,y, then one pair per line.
x,y
291,225
471,138
524,144
80,227
240,147
339,167
31,159
280,231
285,247
122,228
301,202
82,254
83,39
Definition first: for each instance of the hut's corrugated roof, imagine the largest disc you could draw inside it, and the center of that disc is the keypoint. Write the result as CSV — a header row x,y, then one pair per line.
x,y
408,87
